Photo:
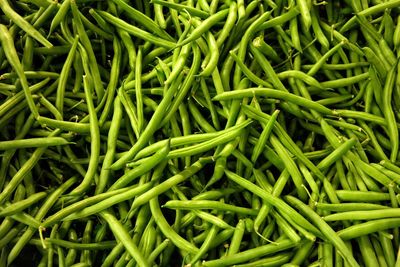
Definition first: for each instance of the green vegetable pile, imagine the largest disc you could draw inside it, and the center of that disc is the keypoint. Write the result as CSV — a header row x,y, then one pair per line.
x,y
199,133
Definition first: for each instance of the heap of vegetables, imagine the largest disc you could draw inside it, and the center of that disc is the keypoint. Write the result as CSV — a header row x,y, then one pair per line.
x,y
199,133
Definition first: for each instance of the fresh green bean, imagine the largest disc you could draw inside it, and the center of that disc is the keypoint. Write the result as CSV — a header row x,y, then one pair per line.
x,y
250,254
22,204
326,230
204,27
366,228
122,234
135,31
95,141
106,203
266,92
23,24
11,54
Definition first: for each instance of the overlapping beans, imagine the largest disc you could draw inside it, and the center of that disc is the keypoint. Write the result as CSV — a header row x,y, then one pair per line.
x,y
199,133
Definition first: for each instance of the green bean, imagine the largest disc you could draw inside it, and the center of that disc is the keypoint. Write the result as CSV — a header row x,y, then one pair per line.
x,y
302,253
144,20
87,53
95,141
264,137
369,227
22,204
202,4
27,58
189,139
207,204
367,251
268,69
138,90
50,250
23,24
150,128
390,166
272,200
286,227
76,127
78,246
111,146
204,27
102,23
168,231
379,252
305,13
33,142
266,92
94,28
250,254
363,215
391,174
323,59
205,146
344,207
5,226
10,235
254,78
32,75
387,247
212,233
326,230
214,220
122,234
106,203
293,27
214,56
308,177
299,75
115,72
135,31
336,154
18,97
158,250
342,66
358,196
389,114
234,246
79,205
48,203
159,16
11,54
344,81
149,164
192,11
167,184
277,260
361,115
129,109
25,168
179,64
229,24
375,61
324,121
214,115
24,218
60,15
369,11
247,36
129,45
290,166
279,20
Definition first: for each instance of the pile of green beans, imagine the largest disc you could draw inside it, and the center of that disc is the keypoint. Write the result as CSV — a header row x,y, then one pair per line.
x,y
199,133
